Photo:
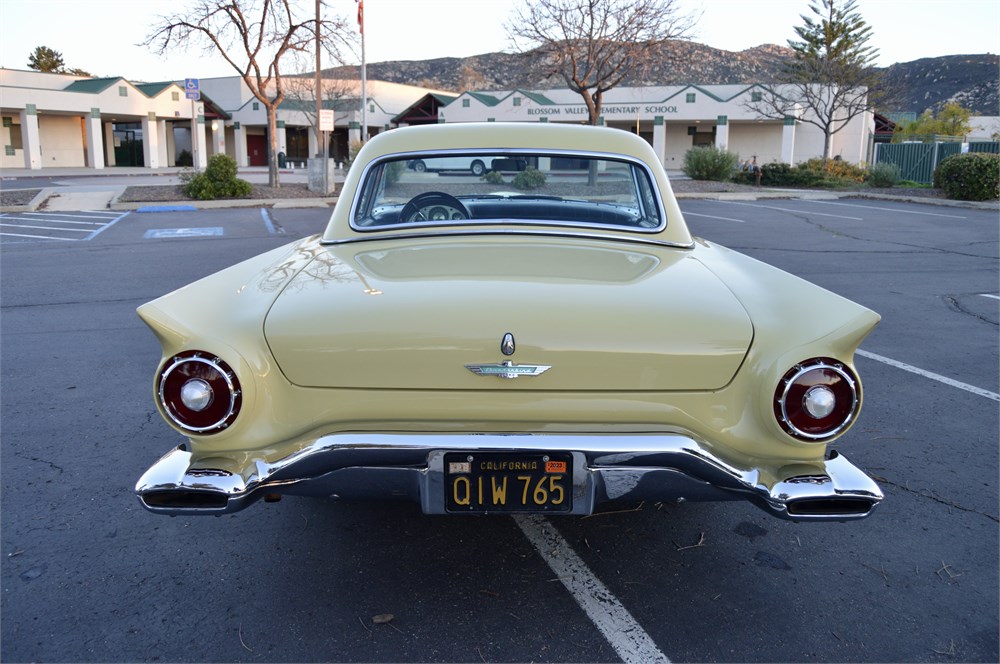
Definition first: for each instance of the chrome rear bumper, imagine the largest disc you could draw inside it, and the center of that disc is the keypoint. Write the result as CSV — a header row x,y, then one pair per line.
x,y
652,467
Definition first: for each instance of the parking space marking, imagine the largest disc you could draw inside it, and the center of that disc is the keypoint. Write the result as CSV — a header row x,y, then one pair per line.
x,y
629,640
712,216
781,209
60,226
929,374
995,297
873,207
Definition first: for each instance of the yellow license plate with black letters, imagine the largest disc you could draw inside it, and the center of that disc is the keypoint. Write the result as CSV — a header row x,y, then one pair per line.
x,y
508,482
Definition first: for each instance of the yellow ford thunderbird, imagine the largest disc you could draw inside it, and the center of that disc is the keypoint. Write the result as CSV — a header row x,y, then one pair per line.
x,y
538,335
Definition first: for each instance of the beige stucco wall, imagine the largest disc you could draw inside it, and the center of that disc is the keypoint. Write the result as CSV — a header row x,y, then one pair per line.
x,y
763,140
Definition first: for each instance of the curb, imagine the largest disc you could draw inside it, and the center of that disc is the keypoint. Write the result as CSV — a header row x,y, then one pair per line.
x,y
225,204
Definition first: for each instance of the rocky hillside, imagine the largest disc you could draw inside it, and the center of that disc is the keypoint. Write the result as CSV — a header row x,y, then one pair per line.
x,y
971,80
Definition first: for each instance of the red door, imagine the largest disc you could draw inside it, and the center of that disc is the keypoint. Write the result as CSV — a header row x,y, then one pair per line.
x,y
257,149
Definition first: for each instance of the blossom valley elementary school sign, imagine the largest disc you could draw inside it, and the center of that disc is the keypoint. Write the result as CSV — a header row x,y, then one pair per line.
x,y
633,110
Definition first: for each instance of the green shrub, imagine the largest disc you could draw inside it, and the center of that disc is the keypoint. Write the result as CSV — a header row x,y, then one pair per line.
x,y
217,181
709,163
778,174
529,178
492,177
882,175
836,169
969,177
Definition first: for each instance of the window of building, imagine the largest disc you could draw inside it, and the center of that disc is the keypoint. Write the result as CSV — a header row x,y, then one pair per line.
x,y
371,108
690,97
122,91
175,96
465,103
256,106
517,101
756,96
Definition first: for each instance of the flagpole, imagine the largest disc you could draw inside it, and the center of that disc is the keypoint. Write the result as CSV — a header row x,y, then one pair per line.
x,y
364,73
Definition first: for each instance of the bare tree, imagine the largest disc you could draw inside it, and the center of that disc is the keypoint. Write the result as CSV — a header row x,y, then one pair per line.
x,y
831,76
253,36
301,89
594,45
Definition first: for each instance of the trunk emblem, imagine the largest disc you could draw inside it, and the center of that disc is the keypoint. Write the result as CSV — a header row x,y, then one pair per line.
x,y
507,345
507,369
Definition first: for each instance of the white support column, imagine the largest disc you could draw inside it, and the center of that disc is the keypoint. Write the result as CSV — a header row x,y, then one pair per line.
x,y
240,137
161,139
30,140
282,138
722,133
200,141
218,137
150,142
354,129
109,143
788,141
171,145
660,139
95,141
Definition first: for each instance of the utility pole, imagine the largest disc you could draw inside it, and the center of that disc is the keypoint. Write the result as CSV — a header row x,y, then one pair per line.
x,y
321,149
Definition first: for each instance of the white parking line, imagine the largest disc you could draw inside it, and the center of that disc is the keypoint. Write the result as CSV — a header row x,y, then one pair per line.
x,y
872,207
712,216
59,225
995,297
48,228
774,207
928,374
629,640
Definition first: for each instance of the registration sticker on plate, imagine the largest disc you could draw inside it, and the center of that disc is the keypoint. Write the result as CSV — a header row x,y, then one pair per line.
x,y
508,482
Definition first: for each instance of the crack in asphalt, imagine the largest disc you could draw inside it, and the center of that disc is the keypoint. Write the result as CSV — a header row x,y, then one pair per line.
x,y
955,305
931,496
936,250
75,302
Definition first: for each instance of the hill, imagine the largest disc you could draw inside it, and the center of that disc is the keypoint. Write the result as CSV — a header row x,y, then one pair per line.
x,y
928,83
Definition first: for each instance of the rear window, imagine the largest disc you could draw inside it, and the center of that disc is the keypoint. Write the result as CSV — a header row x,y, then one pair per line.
x,y
507,188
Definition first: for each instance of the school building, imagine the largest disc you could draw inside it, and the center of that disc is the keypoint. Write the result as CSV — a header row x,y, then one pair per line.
x,y
61,120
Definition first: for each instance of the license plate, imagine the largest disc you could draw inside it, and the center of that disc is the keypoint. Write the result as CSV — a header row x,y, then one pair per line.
x,y
508,482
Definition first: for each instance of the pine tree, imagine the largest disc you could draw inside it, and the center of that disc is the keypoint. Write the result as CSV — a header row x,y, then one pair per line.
x,y
832,74
45,59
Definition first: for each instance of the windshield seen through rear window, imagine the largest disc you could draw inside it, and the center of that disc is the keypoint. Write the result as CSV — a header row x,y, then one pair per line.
x,y
507,189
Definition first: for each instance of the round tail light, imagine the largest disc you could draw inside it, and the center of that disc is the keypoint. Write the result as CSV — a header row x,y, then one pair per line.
x,y
199,392
817,399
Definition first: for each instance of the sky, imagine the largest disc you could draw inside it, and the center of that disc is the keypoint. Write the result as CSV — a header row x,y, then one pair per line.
x,y
102,36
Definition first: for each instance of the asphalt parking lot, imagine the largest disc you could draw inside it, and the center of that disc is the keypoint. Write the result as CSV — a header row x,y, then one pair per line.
x,y
88,575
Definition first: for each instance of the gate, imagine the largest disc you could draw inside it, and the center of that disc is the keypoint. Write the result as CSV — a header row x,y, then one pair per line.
x,y
917,161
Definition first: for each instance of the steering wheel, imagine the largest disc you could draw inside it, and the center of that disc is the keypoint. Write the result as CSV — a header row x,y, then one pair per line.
x,y
433,206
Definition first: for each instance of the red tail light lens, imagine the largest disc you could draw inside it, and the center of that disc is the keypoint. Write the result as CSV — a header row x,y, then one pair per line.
x,y
817,399
199,392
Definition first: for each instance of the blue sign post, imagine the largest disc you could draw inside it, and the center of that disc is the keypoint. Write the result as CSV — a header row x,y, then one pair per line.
x,y
191,90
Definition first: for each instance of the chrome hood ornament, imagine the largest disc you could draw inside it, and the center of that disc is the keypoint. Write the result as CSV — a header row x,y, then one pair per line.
x,y
507,369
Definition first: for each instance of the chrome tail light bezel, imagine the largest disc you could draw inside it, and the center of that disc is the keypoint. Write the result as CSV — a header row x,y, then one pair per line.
x,y
202,366
790,409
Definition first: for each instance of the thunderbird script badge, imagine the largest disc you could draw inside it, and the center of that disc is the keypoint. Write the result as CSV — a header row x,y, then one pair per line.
x,y
507,369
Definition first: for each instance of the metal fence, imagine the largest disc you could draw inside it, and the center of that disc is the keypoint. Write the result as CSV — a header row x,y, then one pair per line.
x,y
917,161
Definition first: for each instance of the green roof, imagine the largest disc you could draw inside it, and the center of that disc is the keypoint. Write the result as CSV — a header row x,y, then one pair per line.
x,y
443,98
489,100
92,85
153,89
537,98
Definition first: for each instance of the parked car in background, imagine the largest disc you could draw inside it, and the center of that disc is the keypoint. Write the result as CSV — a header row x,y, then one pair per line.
x,y
543,341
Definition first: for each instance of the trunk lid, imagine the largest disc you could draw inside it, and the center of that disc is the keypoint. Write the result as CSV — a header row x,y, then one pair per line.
x,y
604,317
